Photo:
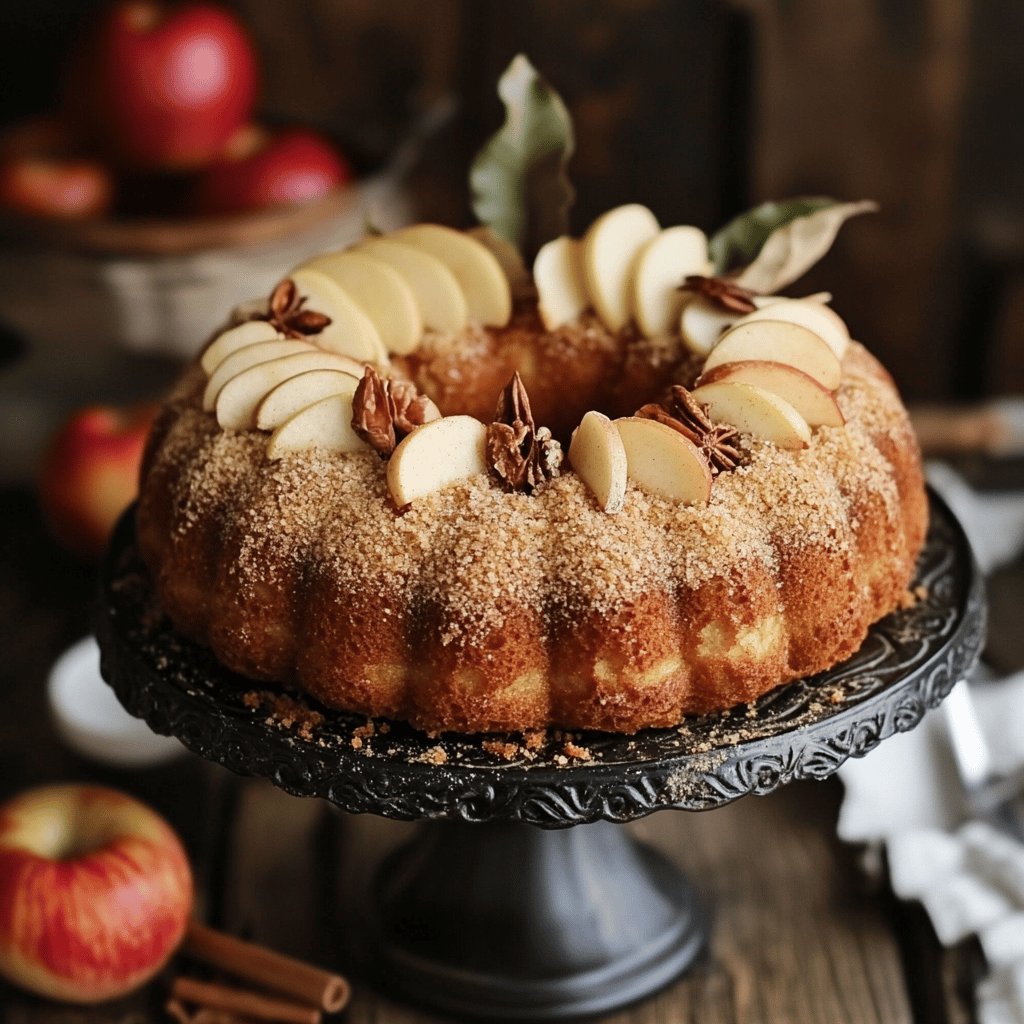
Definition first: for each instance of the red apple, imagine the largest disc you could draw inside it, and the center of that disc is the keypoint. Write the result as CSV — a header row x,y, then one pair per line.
x,y
67,189
163,88
260,169
91,473
95,892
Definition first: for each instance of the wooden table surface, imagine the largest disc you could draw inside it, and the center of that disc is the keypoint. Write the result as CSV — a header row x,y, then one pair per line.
x,y
800,933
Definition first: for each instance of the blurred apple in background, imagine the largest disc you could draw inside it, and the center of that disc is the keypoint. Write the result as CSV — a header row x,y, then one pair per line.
x,y
90,475
260,168
95,892
162,87
42,174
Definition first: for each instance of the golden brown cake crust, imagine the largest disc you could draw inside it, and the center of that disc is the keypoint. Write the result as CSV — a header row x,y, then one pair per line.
x,y
479,610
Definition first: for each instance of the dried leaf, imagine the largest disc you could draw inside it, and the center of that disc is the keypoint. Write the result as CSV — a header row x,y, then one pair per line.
x,y
792,250
744,236
518,179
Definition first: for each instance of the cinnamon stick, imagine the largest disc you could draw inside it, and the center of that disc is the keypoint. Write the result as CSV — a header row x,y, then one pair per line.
x,y
245,1003
266,968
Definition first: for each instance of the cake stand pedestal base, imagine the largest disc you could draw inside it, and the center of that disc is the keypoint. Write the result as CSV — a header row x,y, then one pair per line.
x,y
504,921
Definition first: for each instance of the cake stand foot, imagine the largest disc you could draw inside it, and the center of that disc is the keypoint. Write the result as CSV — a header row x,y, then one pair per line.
x,y
505,921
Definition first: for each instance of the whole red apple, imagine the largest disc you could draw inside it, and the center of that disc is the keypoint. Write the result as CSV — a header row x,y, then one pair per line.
x,y
259,169
90,475
95,892
163,88
68,189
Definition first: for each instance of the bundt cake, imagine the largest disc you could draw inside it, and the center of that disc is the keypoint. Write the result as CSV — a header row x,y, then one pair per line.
x,y
684,499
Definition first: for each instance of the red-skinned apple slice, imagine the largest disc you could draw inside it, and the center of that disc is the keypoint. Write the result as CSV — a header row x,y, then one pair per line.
x,y
241,396
438,295
816,405
251,355
598,458
252,332
483,282
661,267
380,292
295,393
663,462
610,249
753,410
435,456
95,892
809,313
326,425
778,341
351,332
558,275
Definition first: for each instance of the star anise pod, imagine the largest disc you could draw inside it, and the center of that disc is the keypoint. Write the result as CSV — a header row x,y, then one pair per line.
x,y
722,292
287,314
385,410
680,411
520,454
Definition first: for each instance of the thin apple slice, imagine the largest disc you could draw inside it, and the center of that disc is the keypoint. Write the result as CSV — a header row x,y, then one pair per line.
x,y
252,332
803,392
809,313
756,411
241,396
598,458
661,461
295,393
326,424
661,267
483,282
778,341
435,456
558,275
380,292
610,249
702,323
351,332
251,355
438,295
508,256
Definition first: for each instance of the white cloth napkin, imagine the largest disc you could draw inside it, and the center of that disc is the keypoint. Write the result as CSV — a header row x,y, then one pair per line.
x,y
968,875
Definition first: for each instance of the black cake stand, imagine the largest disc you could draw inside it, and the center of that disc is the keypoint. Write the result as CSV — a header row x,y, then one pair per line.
x,y
483,914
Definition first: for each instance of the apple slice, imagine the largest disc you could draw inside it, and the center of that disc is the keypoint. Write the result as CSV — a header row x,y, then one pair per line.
x,y
438,295
351,332
598,458
508,256
475,267
702,323
558,275
295,393
252,332
251,355
610,249
380,292
756,411
326,424
436,455
661,461
778,341
241,396
809,313
803,392
661,267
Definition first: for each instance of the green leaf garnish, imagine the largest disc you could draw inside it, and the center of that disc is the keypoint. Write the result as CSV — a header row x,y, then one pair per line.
x,y
780,242
518,179
743,237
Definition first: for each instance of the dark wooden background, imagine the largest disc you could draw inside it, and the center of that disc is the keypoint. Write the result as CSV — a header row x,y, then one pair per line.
x,y
698,108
